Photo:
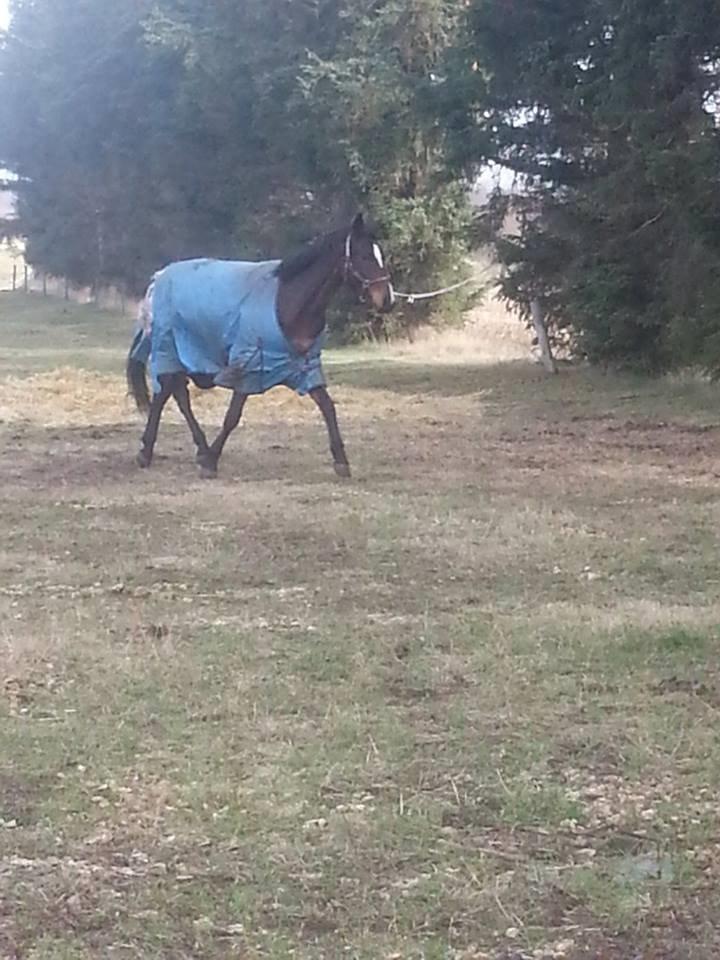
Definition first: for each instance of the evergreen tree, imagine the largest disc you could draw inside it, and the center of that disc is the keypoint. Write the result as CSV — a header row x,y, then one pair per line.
x,y
86,122
605,109
147,131
318,107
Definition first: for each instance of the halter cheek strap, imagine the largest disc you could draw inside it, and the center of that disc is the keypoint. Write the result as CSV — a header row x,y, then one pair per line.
x,y
350,271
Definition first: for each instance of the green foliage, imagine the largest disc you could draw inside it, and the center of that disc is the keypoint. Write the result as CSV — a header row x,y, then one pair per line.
x,y
372,99
179,128
83,121
606,110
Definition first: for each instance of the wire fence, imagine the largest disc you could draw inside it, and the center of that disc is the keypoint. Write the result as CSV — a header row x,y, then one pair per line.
x,y
16,275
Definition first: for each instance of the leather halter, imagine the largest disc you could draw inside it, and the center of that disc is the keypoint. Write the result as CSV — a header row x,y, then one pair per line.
x,y
349,269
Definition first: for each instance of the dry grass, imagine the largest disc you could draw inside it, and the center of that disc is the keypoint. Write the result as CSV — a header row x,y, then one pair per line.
x,y
67,397
463,706
491,335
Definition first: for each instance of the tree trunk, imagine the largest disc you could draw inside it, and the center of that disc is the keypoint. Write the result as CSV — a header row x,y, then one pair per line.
x,y
546,355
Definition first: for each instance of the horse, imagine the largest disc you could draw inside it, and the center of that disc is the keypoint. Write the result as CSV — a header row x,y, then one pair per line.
x,y
248,326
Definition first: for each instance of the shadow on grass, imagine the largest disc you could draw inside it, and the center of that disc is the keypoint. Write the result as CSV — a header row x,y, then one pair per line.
x,y
576,391
448,380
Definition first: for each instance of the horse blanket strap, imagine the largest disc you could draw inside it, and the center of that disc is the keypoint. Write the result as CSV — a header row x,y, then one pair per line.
x,y
218,318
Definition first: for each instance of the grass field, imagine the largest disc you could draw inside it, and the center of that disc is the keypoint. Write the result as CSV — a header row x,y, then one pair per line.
x,y
464,705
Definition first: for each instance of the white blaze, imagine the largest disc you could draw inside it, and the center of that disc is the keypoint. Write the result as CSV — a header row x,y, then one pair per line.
x,y
378,255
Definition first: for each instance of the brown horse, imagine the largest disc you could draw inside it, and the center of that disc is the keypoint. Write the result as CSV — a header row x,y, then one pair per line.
x,y
248,326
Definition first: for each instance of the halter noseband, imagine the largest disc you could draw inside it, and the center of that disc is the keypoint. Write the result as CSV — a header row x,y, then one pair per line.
x,y
350,271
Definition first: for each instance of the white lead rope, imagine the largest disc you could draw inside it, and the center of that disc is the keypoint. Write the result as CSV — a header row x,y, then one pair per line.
x,y
412,297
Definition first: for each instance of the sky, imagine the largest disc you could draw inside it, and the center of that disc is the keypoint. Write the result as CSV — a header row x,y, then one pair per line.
x,y
3,13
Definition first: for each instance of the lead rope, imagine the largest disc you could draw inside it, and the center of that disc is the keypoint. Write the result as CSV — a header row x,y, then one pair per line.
x,y
410,297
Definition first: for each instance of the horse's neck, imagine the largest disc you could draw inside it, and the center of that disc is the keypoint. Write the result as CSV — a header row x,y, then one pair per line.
x,y
302,302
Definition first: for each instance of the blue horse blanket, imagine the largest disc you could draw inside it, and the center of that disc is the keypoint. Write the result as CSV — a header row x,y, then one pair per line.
x,y
218,319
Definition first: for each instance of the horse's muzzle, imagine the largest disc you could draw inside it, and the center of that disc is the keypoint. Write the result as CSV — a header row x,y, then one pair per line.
x,y
386,299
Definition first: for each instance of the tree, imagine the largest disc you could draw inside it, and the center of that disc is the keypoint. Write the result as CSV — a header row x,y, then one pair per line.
x,y
84,122
604,108
321,106
148,131
372,100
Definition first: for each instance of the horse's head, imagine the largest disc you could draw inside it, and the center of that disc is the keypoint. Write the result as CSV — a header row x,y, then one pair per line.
x,y
364,265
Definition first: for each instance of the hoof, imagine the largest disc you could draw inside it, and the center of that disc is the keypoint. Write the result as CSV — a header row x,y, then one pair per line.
x,y
208,464
143,459
342,470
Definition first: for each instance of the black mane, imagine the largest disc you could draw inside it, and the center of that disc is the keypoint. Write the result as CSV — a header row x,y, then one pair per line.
x,y
297,263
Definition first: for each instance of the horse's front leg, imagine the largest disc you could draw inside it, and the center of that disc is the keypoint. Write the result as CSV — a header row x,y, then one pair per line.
x,y
324,401
209,460
144,458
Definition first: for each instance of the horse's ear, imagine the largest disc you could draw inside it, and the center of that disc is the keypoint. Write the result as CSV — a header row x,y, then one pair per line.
x,y
358,223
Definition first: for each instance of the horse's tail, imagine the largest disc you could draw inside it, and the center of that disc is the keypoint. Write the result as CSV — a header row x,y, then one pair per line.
x,y
135,370
140,353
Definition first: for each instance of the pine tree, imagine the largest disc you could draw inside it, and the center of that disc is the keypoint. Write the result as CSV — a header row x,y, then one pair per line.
x,y
83,122
157,129
604,108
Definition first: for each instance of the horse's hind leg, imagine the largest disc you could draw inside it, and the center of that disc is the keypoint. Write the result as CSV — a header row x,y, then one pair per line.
x,y
209,462
144,458
324,401
182,398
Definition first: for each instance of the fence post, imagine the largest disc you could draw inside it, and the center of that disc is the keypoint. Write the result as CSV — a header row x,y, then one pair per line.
x,y
67,289
14,277
44,284
25,279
